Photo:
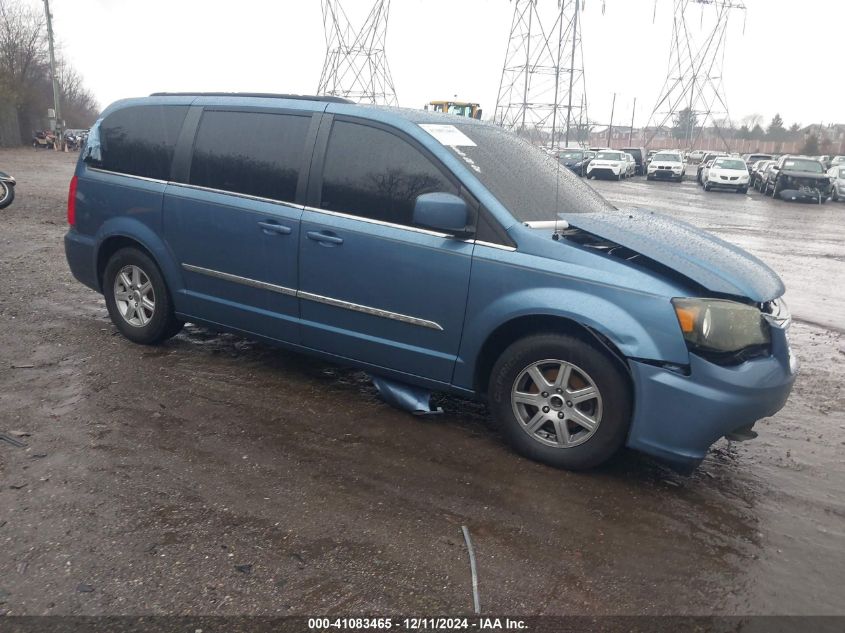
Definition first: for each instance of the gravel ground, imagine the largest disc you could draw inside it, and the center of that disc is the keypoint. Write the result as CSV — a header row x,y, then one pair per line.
x,y
213,475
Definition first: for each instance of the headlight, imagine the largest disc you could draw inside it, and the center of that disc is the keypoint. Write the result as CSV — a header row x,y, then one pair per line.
x,y
716,325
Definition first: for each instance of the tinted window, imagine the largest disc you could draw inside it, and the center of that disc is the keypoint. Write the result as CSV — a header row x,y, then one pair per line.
x,y
140,140
250,152
376,174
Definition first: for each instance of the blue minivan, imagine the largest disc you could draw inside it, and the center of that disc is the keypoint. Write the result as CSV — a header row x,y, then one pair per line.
x,y
442,253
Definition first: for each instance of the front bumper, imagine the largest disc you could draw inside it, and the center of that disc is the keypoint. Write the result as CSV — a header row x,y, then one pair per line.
x,y
677,417
790,193
604,172
668,174
729,184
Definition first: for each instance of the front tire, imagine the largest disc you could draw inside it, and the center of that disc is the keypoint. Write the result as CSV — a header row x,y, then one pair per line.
x,y
560,401
707,186
137,298
7,194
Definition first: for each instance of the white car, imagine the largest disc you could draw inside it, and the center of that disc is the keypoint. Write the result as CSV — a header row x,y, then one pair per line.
x,y
631,168
669,165
837,182
608,163
727,172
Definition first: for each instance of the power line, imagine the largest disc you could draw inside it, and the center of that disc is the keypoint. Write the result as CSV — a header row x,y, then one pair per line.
x,y
542,91
356,65
694,77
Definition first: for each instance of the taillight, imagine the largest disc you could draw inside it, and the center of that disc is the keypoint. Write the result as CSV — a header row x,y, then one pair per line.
x,y
71,202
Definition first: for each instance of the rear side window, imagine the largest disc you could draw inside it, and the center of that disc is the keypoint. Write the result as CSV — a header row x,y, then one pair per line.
x,y
375,174
255,153
140,140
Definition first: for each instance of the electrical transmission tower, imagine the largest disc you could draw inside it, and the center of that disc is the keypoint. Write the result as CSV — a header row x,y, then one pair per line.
x,y
542,94
693,93
356,65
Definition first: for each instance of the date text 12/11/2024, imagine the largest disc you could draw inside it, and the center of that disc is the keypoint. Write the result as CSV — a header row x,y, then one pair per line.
x,y
415,624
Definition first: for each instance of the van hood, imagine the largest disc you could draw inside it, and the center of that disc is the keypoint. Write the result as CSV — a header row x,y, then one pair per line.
x,y
705,259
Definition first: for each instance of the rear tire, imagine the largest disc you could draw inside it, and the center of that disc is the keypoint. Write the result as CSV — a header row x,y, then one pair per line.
x,y
137,298
572,434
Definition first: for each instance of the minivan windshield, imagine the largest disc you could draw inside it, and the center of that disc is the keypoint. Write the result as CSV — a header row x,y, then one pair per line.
x,y
530,184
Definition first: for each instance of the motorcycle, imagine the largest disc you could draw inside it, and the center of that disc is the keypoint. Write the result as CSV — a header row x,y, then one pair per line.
x,y
7,190
72,142
43,140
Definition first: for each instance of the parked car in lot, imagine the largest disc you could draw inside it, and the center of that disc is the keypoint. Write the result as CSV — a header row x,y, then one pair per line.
x,y
413,249
695,156
757,172
640,157
763,176
609,163
837,182
667,165
798,178
837,161
631,165
576,159
708,157
727,173
751,159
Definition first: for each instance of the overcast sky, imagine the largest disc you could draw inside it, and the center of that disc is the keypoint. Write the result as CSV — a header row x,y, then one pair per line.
x,y
437,49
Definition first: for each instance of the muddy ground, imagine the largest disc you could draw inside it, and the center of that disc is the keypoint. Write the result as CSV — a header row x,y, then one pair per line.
x,y
213,475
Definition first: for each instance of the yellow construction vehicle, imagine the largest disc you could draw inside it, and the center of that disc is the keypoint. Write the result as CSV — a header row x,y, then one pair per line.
x,y
460,108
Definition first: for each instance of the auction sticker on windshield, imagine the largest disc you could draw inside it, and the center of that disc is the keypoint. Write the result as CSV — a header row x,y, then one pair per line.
x,y
448,134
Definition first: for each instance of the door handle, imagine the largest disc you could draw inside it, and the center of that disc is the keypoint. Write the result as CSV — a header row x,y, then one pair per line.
x,y
325,238
272,227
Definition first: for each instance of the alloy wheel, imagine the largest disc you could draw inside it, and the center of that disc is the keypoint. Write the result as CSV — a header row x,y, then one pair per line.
x,y
556,403
134,295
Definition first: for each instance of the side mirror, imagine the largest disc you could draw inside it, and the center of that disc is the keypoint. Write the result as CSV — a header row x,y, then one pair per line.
x,y
441,211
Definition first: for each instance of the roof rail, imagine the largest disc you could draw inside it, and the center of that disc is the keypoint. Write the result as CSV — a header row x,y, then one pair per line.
x,y
269,95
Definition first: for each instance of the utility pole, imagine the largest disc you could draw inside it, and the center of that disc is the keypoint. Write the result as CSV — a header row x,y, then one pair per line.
x,y
633,112
610,127
57,105
571,67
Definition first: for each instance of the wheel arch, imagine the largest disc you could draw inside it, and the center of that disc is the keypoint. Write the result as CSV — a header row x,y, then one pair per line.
x,y
132,233
527,325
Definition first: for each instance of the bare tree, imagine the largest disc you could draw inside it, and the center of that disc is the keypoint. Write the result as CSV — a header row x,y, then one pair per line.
x,y
752,120
22,56
25,78
79,107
